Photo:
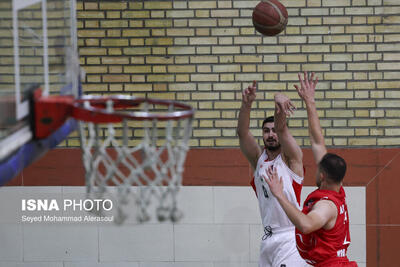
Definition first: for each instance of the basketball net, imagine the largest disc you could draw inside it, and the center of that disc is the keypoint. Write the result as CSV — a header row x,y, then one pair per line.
x,y
139,159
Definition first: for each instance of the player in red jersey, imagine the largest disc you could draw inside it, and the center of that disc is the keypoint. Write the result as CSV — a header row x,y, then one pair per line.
x,y
322,228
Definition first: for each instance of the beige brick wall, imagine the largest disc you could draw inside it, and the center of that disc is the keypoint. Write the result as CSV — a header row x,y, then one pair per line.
x,y
205,52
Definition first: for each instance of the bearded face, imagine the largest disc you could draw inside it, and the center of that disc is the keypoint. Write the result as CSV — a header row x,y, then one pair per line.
x,y
270,138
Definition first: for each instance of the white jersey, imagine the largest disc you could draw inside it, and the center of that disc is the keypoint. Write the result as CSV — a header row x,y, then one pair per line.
x,y
272,214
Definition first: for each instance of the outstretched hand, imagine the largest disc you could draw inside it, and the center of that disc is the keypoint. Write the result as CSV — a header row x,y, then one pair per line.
x,y
307,87
249,94
283,104
274,182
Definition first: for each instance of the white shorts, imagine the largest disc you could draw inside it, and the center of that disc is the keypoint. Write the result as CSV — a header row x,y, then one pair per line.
x,y
279,249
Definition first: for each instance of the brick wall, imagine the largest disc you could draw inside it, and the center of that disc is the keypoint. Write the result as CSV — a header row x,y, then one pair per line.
x,y
205,52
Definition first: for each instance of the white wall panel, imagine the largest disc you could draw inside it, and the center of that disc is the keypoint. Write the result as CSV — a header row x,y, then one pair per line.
x,y
236,204
216,242
11,239
147,242
59,242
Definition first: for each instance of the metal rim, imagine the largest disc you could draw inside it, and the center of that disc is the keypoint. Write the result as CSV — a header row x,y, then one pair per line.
x,y
98,113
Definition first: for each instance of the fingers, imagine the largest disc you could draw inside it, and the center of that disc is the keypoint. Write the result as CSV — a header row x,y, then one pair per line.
x,y
314,81
291,108
269,171
268,181
249,93
311,79
251,89
245,92
301,80
300,90
283,104
284,107
274,182
267,178
272,176
306,79
272,173
278,108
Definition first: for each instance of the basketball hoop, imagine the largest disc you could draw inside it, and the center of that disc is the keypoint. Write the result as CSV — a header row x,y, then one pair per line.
x,y
130,143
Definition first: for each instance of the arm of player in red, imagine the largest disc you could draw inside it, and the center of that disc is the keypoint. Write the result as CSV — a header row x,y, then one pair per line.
x,y
321,214
307,92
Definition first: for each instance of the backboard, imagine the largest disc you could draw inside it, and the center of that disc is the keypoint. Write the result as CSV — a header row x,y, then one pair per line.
x,y
38,49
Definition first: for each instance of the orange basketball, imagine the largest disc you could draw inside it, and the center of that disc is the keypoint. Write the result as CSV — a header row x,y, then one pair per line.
x,y
270,17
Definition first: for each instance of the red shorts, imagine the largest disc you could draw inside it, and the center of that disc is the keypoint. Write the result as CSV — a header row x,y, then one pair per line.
x,y
342,264
337,263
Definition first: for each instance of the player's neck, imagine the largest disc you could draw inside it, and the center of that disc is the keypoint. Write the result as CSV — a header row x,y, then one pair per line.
x,y
330,186
272,154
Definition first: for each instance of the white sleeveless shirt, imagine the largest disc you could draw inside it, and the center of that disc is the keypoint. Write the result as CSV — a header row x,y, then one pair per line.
x,y
272,214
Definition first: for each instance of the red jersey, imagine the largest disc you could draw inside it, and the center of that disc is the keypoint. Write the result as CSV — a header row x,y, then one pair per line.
x,y
326,246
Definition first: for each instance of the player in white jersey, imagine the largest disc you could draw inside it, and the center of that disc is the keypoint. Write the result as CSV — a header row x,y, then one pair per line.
x,y
278,245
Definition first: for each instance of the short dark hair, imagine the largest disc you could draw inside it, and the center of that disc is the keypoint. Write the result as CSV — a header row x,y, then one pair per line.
x,y
334,167
268,119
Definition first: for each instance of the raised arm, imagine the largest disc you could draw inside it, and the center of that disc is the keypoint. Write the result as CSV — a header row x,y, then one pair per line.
x,y
248,144
307,92
293,155
322,215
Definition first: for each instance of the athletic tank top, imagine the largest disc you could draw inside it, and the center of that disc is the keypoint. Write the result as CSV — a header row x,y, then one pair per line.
x,y
272,214
325,245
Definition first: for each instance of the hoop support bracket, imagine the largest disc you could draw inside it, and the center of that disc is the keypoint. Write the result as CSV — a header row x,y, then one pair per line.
x,y
50,112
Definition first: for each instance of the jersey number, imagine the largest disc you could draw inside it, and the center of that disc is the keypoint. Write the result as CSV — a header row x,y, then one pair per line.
x,y
265,192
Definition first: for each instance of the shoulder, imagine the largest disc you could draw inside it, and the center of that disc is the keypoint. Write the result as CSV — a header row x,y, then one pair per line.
x,y
325,203
294,164
326,209
295,175
323,194
261,157
261,154
319,196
